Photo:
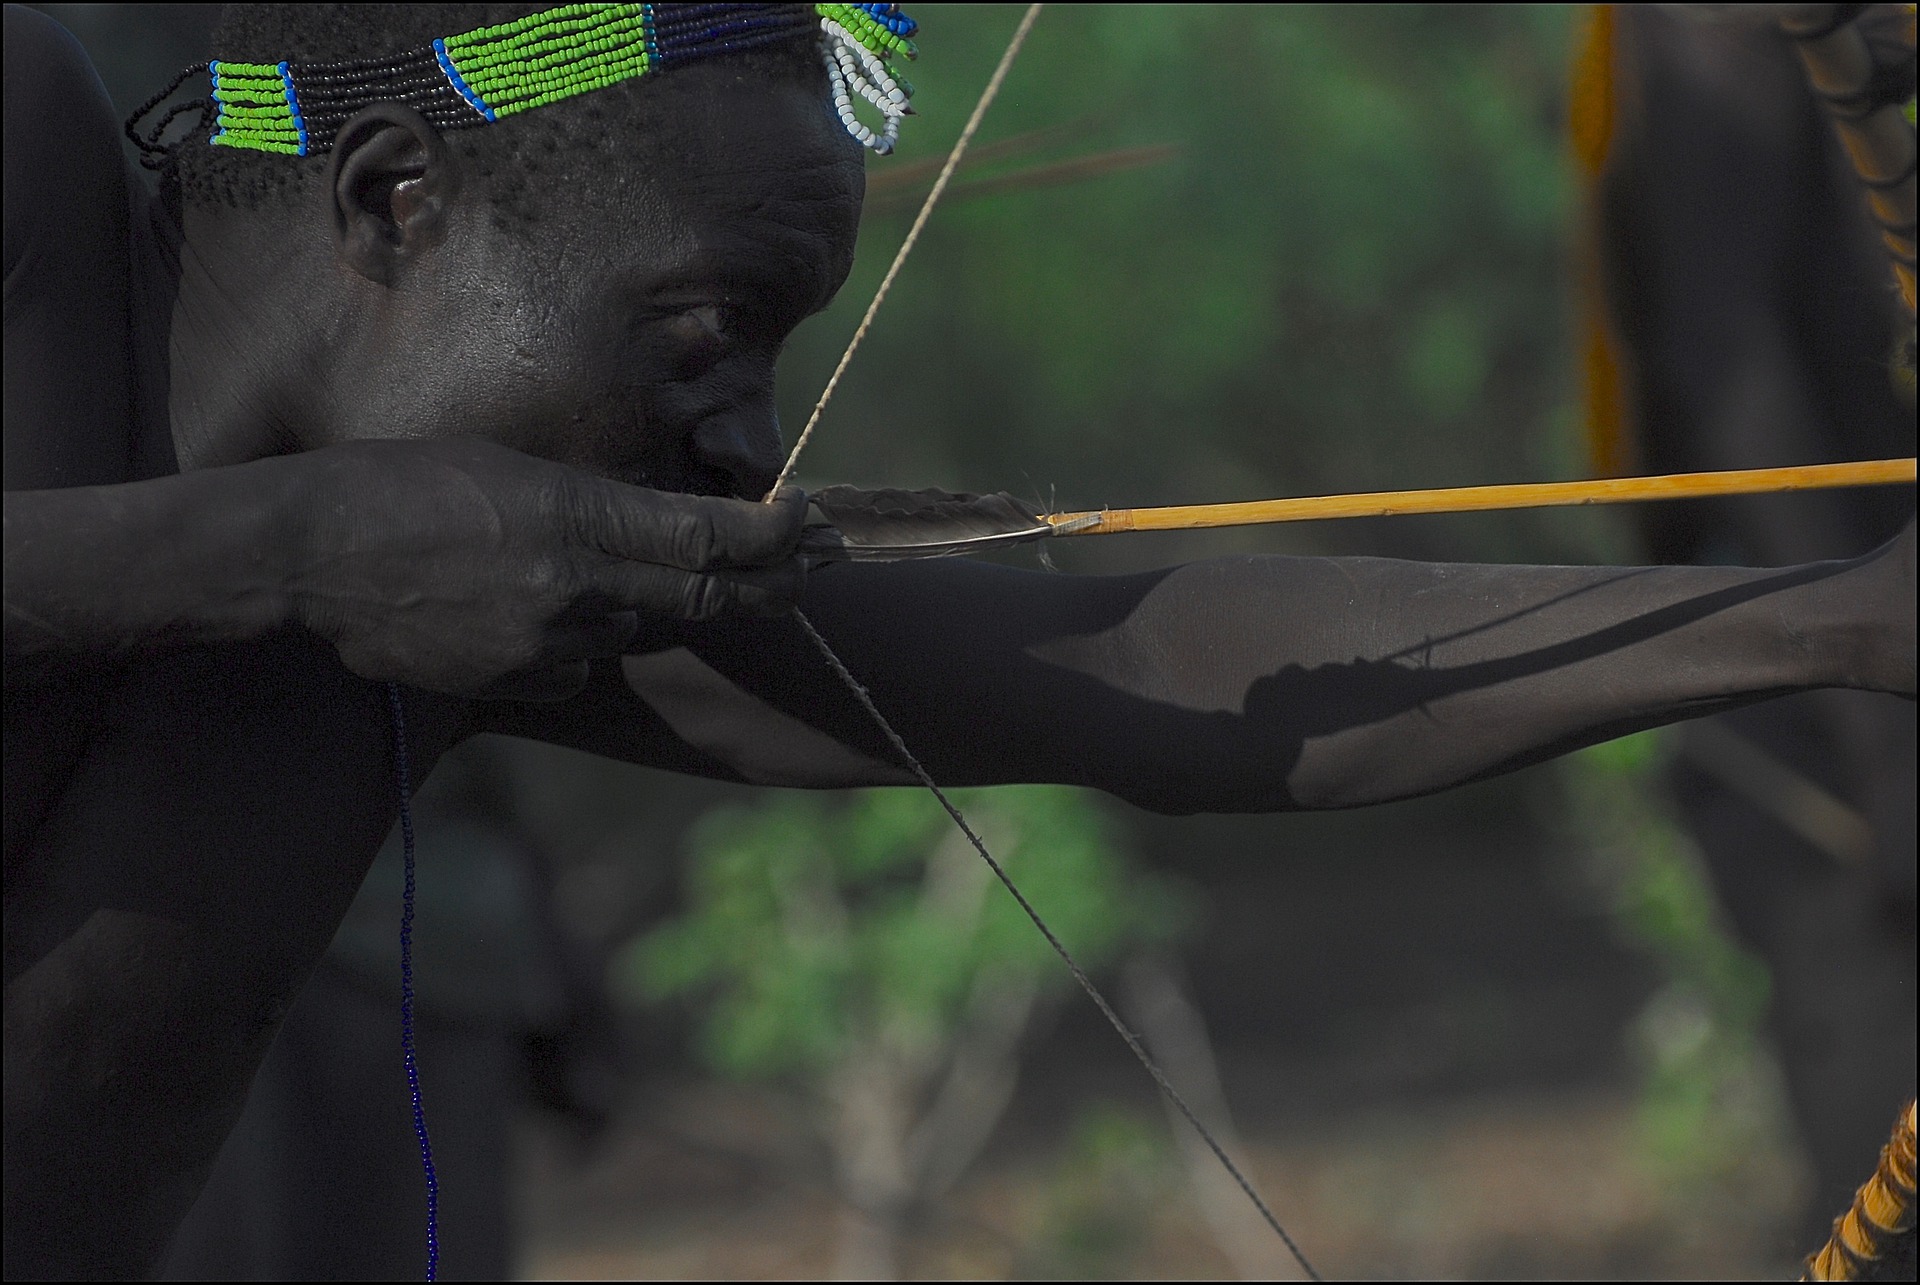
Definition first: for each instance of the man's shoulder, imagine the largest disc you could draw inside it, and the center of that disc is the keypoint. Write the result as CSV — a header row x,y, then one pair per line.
x,y
71,396
61,130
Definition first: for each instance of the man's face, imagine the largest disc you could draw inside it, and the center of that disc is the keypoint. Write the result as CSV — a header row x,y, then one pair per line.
x,y
632,329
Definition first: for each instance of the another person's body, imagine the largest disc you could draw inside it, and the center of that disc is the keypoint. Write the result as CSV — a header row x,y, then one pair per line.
x,y
1756,310
320,1178
394,415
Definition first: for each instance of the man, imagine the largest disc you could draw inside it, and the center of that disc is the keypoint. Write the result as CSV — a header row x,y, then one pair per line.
x,y
448,407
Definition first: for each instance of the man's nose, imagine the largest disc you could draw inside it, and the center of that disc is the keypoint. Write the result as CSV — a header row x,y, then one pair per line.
x,y
744,445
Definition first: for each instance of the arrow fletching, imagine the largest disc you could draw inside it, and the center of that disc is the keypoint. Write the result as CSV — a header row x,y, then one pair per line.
x,y
891,525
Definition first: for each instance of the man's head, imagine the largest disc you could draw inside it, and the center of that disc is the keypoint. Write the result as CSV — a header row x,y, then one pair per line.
x,y
604,281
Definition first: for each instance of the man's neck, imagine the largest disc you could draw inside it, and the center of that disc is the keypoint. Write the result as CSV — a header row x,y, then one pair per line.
x,y
241,351
154,277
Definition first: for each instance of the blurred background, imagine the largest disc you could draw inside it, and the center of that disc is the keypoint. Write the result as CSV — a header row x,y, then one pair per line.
x,y
1643,1012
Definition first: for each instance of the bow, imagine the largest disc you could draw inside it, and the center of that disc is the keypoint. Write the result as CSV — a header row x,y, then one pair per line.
x,y
891,524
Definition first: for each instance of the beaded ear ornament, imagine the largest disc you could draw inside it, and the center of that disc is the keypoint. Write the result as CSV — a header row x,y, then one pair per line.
x,y
856,64
480,76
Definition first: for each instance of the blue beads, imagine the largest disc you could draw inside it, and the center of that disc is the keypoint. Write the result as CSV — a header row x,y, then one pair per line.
x,y
676,39
890,17
403,778
293,106
459,83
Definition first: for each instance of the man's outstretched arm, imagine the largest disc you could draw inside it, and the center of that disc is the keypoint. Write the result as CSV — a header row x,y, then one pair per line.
x,y
1241,684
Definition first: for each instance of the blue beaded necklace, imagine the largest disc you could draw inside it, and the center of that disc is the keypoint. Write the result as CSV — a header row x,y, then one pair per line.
x,y
403,779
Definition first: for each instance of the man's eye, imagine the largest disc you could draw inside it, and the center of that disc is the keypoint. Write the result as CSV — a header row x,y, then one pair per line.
x,y
695,339
699,326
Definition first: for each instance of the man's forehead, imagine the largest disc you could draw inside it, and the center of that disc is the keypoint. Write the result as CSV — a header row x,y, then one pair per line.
x,y
720,141
720,119
769,188
780,247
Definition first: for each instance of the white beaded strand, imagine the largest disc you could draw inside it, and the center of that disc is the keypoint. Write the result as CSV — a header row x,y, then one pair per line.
x,y
883,91
843,105
881,75
853,69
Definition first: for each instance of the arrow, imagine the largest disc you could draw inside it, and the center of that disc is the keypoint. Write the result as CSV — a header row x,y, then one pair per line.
x,y
1468,499
889,525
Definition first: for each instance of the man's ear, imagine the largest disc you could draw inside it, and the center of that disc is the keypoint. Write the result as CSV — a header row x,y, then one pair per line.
x,y
391,181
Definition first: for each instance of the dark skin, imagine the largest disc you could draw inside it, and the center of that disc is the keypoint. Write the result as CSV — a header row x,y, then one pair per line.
x,y
373,438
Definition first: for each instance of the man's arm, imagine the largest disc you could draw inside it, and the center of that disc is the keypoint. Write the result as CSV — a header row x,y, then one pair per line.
x,y
1245,684
458,566
104,570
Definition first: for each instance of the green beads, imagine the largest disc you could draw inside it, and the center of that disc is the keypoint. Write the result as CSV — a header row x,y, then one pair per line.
x,y
256,108
551,55
469,79
862,27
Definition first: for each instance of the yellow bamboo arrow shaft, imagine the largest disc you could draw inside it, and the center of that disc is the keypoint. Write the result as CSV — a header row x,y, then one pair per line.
x,y
1463,499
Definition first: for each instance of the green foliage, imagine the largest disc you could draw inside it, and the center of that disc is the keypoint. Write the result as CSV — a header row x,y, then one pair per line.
x,y
1351,276
816,924
1094,1212
1707,1092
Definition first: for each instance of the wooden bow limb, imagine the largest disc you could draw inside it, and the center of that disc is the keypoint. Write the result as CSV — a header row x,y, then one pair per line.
x,y
1864,1245
1466,499
1842,66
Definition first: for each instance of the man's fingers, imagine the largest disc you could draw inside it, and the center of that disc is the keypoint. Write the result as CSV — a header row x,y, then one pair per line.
x,y
756,591
691,532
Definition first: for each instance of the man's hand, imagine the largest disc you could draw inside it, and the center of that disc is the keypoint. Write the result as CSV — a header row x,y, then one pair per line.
x,y
468,568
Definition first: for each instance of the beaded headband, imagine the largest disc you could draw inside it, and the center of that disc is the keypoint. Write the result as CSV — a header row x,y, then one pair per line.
x,y
478,77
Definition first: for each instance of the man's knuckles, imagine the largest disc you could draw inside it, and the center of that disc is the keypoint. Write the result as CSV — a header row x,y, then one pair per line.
x,y
551,581
566,562
743,533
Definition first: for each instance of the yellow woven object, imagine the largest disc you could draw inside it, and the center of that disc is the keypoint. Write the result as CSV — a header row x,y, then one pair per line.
x,y
1882,1209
